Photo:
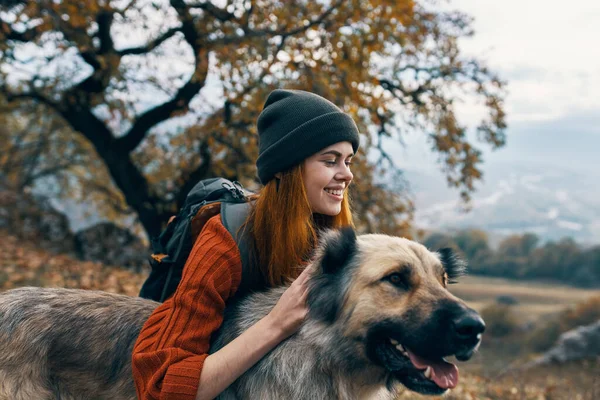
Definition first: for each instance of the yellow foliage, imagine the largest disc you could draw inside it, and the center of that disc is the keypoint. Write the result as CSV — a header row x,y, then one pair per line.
x,y
392,65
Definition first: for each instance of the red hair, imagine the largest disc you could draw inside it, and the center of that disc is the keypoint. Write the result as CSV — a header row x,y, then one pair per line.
x,y
284,229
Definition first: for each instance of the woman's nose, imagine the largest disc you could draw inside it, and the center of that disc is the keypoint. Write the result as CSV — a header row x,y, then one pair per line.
x,y
345,174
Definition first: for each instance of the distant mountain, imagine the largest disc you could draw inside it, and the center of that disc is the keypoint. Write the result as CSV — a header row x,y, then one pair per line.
x,y
551,201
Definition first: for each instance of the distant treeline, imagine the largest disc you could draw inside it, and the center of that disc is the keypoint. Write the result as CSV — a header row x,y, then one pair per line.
x,y
524,257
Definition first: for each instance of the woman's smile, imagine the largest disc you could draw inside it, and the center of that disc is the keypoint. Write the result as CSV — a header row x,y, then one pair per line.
x,y
337,194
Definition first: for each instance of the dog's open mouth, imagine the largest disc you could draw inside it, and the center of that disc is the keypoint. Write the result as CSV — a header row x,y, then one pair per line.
x,y
423,375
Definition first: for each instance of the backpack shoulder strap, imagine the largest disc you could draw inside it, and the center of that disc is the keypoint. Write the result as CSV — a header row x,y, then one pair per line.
x,y
233,216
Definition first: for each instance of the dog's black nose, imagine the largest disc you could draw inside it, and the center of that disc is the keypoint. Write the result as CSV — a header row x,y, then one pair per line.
x,y
469,326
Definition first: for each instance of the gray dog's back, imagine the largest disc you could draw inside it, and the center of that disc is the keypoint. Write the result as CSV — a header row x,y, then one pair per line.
x,y
68,343
76,344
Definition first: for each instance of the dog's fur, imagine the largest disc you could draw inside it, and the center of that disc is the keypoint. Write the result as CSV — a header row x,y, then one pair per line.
x,y
73,344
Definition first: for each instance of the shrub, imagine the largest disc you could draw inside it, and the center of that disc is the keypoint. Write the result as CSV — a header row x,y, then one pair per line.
x,y
542,338
507,299
500,320
584,313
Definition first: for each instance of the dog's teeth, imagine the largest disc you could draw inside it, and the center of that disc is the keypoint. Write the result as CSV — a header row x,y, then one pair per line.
x,y
427,373
402,350
394,342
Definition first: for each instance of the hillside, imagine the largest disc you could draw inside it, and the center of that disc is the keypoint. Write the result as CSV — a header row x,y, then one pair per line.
x,y
23,264
549,201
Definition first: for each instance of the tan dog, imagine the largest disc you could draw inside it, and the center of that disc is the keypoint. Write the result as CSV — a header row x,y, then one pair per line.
x,y
380,318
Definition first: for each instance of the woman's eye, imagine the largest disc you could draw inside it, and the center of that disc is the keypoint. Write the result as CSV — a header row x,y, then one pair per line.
x,y
348,163
330,163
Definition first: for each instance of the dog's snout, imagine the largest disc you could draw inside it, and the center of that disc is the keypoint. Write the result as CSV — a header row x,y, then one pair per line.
x,y
469,326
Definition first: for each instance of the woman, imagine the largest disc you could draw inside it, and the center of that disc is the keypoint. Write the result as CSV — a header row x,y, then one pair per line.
x,y
306,144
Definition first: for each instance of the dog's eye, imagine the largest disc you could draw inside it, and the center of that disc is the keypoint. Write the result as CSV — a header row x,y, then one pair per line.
x,y
396,279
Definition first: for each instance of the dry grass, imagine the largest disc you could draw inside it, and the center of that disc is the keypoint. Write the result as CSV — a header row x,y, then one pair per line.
x,y
536,300
579,381
23,264
494,373
484,288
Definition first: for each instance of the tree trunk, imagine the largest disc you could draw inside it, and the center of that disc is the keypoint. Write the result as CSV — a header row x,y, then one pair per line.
x,y
125,174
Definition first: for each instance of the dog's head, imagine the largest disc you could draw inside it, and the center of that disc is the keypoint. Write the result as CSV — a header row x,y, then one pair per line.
x,y
388,296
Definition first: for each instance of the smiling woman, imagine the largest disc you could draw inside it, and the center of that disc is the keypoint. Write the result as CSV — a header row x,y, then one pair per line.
x,y
327,176
306,144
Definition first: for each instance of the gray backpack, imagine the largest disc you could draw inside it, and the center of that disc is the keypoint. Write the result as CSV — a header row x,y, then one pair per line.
x,y
172,247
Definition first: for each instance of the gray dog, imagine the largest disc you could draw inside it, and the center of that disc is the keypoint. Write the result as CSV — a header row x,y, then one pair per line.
x,y
380,319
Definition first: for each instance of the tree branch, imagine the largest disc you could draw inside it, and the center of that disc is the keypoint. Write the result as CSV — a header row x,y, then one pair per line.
x,y
80,118
161,113
281,31
184,95
150,46
218,13
104,21
314,22
10,34
394,88
32,177
10,97
90,58
188,27
248,15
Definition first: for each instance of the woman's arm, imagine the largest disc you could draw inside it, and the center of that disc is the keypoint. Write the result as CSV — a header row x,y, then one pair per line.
x,y
169,356
223,367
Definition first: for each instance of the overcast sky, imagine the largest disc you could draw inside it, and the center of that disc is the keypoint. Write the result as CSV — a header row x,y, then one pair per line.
x,y
547,49
548,52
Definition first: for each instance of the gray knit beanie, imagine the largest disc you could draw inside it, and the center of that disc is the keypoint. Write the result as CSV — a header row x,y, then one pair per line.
x,y
294,125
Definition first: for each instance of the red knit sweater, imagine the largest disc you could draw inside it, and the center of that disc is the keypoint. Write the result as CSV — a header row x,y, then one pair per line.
x,y
173,344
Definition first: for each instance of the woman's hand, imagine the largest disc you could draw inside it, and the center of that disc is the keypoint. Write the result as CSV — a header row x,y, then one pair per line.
x,y
290,311
226,365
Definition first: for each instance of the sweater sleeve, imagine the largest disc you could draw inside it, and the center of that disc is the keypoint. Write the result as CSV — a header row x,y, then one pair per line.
x,y
171,348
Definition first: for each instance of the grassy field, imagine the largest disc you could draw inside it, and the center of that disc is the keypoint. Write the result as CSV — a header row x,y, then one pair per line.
x,y
494,372
536,300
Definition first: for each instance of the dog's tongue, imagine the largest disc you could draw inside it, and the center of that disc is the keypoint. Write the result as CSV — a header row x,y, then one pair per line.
x,y
443,373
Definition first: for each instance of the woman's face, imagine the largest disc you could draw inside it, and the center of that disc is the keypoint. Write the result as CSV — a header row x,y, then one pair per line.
x,y
326,176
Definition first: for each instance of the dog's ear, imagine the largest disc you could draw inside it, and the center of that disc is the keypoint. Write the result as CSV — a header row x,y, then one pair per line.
x,y
454,265
328,288
339,250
